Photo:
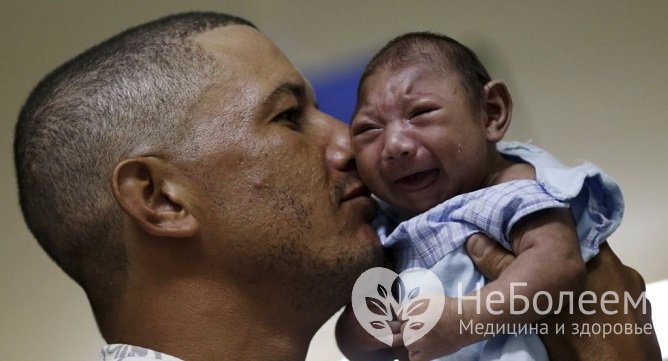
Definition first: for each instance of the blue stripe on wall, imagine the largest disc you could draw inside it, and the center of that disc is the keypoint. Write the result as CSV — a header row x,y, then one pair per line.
x,y
337,90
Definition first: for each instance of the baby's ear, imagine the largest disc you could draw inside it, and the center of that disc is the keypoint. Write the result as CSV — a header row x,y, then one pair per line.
x,y
498,109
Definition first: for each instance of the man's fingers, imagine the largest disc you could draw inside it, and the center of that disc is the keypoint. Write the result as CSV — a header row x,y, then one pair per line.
x,y
607,259
489,256
400,352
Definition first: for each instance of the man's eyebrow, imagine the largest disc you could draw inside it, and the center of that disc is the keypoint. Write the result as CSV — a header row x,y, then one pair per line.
x,y
293,89
311,91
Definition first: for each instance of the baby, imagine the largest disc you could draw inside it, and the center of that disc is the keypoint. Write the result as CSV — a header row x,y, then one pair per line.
x,y
426,134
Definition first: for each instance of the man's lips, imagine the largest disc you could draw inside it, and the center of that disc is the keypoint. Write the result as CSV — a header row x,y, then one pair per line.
x,y
355,190
357,195
417,181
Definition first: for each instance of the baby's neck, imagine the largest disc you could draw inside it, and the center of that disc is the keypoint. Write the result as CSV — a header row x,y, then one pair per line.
x,y
503,170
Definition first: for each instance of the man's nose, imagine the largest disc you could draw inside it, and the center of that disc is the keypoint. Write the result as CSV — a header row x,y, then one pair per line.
x,y
339,152
398,145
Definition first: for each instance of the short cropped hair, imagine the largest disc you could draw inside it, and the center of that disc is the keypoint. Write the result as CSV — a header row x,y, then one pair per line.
x,y
129,92
439,51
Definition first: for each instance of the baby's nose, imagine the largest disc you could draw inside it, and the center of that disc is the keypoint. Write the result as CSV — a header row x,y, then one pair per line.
x,y
398,144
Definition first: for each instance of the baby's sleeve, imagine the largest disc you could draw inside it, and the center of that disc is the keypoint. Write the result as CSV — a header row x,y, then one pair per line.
x,y
495,210
595,199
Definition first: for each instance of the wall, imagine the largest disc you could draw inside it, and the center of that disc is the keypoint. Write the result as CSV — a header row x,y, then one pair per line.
x,y
588,78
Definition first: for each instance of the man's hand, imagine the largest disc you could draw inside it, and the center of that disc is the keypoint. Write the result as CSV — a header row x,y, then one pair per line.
x,y
443,339
605,272
357,344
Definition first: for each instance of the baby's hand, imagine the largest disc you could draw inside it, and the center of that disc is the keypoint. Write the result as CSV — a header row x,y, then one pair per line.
x,y
443,339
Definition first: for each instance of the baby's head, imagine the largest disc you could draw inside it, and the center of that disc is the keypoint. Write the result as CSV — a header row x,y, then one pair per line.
x,y
427,119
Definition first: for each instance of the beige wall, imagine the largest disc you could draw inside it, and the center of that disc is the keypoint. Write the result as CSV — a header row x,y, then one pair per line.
x,y
589,81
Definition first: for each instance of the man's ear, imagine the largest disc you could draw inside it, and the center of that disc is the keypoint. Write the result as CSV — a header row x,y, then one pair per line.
x,y
153,194
498,108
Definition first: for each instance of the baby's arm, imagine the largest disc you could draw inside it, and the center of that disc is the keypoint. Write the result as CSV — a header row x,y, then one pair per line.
x,y
548,259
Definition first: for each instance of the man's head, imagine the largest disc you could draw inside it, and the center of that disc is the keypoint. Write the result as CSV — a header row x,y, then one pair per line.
x,y
190,148
427,118
280,172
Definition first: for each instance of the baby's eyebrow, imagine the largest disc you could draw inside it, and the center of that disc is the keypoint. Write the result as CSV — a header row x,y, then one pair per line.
x,y
353,116
358,111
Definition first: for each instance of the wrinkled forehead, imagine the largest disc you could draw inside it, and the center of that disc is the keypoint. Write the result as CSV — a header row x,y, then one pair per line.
x,y
394,84
407,72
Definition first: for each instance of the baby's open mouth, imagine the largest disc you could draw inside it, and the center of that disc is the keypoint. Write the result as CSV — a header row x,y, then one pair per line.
x,y
417,181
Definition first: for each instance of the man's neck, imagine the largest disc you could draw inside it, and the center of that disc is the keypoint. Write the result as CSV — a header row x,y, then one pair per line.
x,y
196,321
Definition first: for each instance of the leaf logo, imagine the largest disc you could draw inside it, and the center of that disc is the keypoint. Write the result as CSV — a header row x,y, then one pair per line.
x,y
420,307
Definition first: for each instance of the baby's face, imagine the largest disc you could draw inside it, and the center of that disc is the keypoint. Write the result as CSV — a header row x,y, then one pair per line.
x,y
417,141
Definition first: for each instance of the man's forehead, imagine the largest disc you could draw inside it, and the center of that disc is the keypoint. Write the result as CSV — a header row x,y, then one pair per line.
x,y
240,42
253,71
245,54
229,37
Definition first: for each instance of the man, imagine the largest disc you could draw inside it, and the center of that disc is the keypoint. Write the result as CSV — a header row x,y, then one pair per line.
x,y
182,174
